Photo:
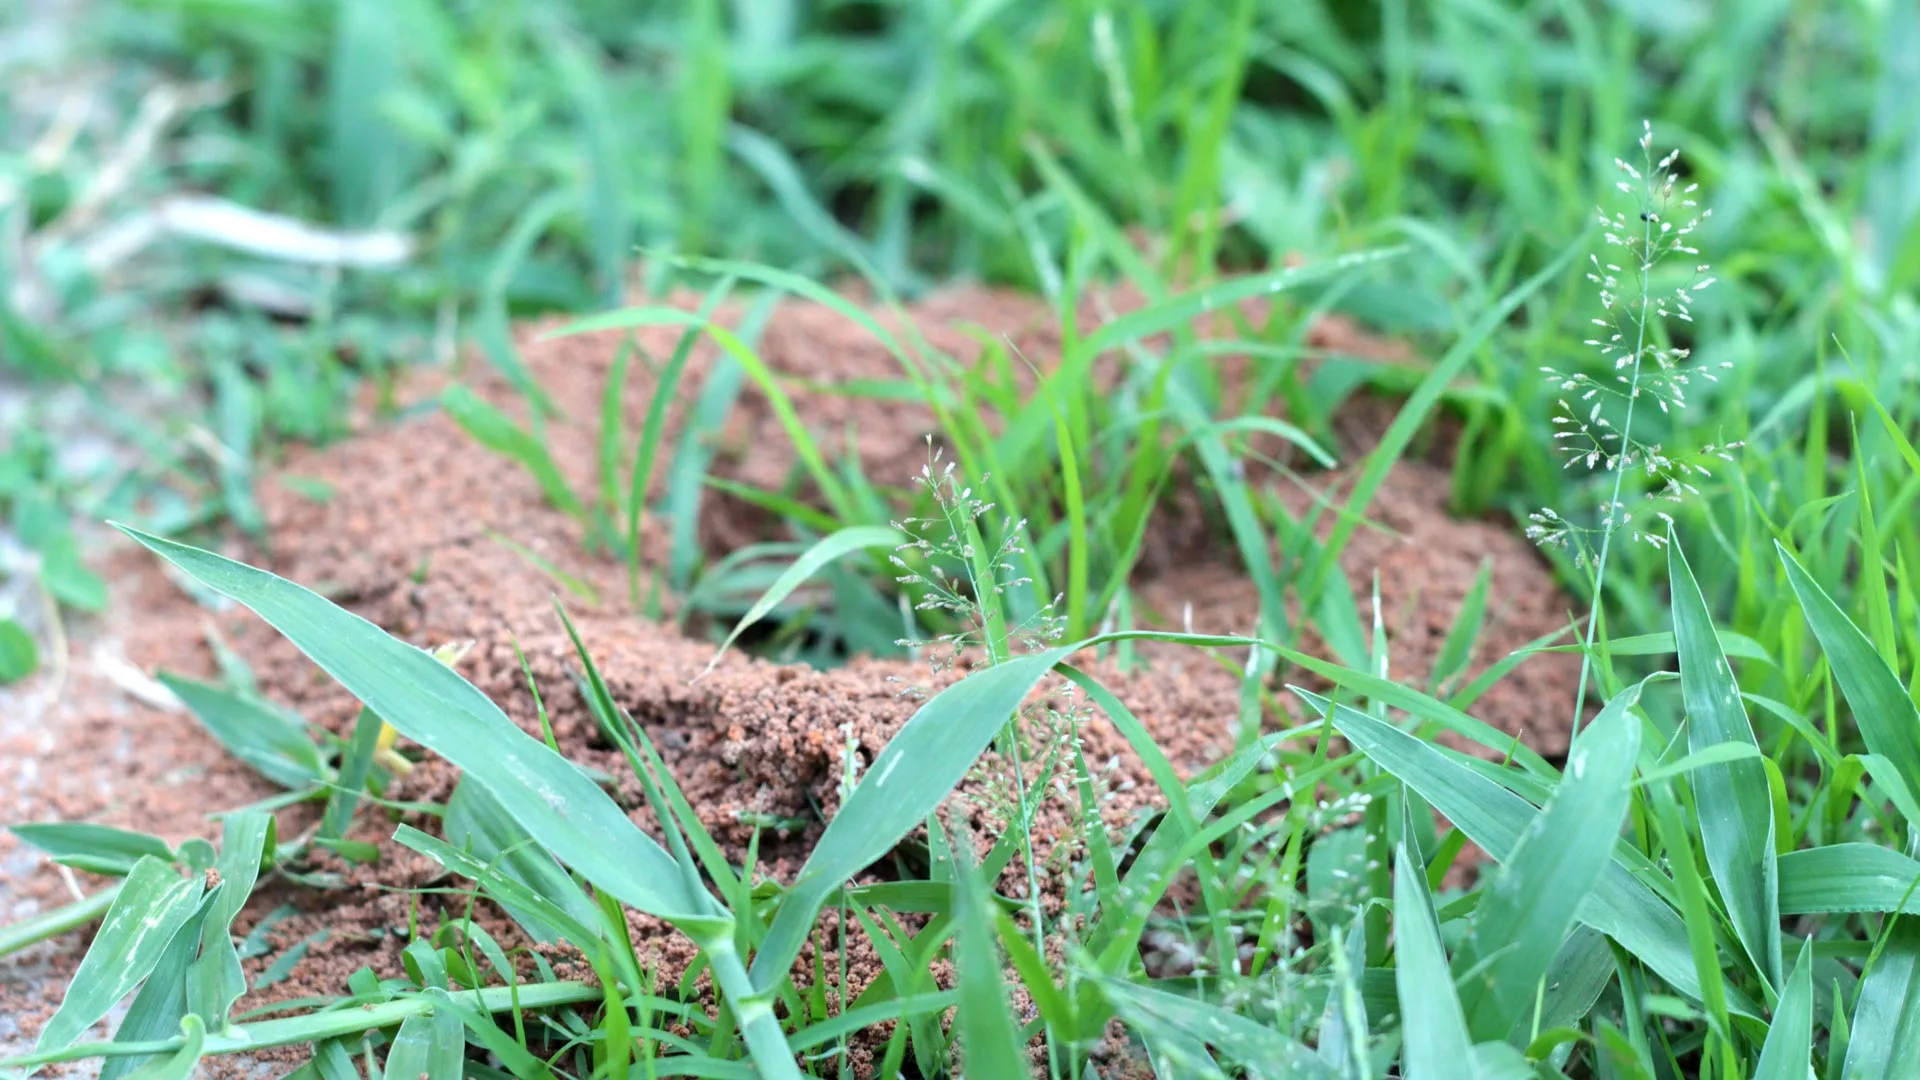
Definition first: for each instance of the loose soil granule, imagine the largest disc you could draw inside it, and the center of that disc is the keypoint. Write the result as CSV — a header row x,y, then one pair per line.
x,y
409,534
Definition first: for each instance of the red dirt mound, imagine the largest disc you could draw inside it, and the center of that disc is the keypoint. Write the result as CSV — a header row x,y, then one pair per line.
x,y
409,537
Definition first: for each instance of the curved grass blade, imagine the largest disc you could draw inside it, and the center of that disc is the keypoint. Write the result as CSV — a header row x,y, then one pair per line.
x,y
1431,1021
1530,906
156,1011
825,550
181,1065
1886,715
154,903
427,701
1620,906
1788,1052
1886,1016
916,770
216,981
1734,803
492,429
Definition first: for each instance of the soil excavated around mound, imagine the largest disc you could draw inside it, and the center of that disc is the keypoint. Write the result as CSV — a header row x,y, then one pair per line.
x,y
408,538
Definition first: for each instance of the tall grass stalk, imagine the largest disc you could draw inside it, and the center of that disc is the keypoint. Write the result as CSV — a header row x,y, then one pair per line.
x,y
1648,367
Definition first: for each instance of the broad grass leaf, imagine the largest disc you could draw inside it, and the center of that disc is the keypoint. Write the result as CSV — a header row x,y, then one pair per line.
x,y
431,1045
1732,798
1788,1052
216,980
828,548
156,1010
1885,714
428,702
153,904
1848,877
1886,1016
269,738
97,849
1620,906
477,824
1262,1050
911,776
1432,1025
989,1036
1528,908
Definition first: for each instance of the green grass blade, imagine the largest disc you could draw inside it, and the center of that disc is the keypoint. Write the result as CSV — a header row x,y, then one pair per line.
x,y
154,903
666,390
1788,1053
431,1045
558,804
1456,652
989,1037
1886,1017
1848,877
328,1024
1886,715
828,548
181,1064
269,738
1734,803
916,770
156,1011
216,980
1178,312
1620,906
1263,1050
1414,412
1432,1024
1527,910
97,849
492,429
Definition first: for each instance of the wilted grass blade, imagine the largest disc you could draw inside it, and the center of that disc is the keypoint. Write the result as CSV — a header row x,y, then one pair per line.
x,y
1788,1053
154,903
1526,911
1734,804
825,550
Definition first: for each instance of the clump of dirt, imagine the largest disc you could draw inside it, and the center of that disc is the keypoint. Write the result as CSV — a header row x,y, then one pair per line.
x,y
414,527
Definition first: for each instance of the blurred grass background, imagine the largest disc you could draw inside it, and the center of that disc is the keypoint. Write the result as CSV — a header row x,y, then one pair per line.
x,y
458,166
